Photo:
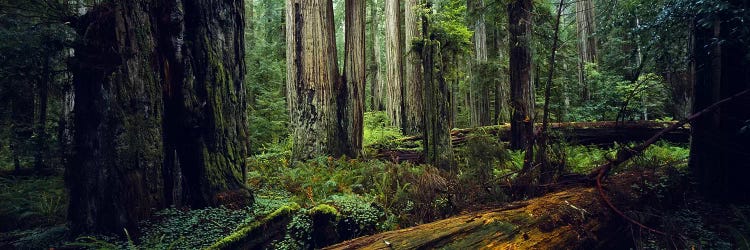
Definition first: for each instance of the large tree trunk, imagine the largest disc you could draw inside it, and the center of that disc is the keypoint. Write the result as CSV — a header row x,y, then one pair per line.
x,y
375,77
394,81
159,110
585,23
479,87
312,79
413,106
354,75
720,141
437,140
521,88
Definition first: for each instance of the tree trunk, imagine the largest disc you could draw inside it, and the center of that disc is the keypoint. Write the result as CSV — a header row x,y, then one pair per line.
x,y
354,75
313,79
22,125
479,87
720,141
40,129
375,77
585,23
437,140
394,83
413,106
159,111
521,89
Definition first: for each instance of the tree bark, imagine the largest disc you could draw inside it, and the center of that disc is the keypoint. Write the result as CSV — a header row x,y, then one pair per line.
x,y
313,80
437,144
394,80
159,110
413,106
375,76
479,87
40,129
522,92
720,141
585,27
354,76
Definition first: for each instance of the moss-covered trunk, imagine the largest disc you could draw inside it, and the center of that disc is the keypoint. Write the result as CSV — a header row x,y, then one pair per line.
x,y
437,140
159,110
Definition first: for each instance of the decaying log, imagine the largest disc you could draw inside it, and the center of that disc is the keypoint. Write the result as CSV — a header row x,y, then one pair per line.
x,y
574,218
579,133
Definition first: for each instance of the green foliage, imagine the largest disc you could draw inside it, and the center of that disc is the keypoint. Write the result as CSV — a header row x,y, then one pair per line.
x,y
611,91
378,130
265,80
29,202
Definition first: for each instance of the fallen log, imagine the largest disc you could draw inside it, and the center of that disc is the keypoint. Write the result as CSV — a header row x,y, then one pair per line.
x,y
577,133
574,218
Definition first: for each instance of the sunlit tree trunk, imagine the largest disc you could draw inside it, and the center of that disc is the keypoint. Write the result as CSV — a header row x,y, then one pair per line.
x,y
354,76
413,106
480,91
313,79
394,80
375,77
586,26
159,111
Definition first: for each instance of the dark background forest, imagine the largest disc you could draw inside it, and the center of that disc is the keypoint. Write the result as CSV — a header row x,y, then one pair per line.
x,y
300,124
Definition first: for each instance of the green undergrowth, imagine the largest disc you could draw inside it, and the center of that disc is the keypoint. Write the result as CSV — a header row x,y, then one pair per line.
x,y
28,202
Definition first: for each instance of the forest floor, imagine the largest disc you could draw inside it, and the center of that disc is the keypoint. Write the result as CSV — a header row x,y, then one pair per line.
x,y
326,201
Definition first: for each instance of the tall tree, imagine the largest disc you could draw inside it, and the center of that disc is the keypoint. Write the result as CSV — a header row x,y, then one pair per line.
x,y
586,27
720,142
375,76
480,91
159,110
521,89
413,106
437,111
394,80
313,79
354,76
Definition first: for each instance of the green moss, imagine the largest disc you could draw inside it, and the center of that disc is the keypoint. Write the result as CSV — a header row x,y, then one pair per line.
x,y
324,209
245,232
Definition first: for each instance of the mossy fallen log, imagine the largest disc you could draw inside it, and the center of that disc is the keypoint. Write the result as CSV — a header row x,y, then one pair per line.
x,y
574,218
578,133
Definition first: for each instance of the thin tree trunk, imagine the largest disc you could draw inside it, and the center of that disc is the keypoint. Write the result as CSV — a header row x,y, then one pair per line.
x,y
313,79
160,112
547,174
354,76
413,106
41,124
394,81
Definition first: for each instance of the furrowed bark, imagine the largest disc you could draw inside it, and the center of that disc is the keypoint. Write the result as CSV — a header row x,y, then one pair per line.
x,y
159,111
